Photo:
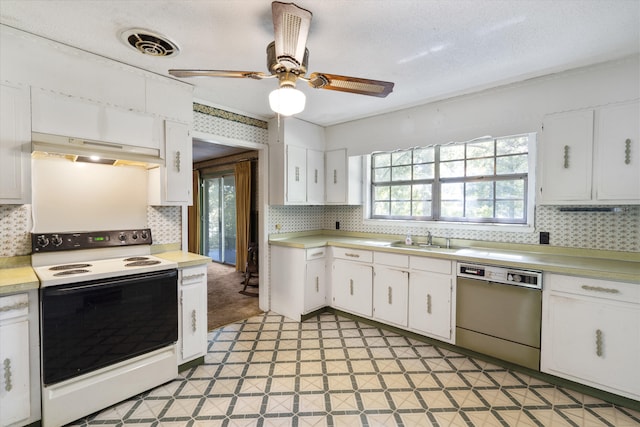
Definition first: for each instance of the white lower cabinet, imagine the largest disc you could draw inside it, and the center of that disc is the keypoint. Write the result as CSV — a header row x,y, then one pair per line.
x,y
390,294
192,328
591,333
315,287
19,359
352,281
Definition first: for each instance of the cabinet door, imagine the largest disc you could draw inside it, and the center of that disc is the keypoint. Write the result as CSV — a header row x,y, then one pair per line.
x,y
566,156
315,177
593,341
352,287
390,293
14,381
315,288
618,153
15,145
336,185
430,303
178,149
193,313
296,174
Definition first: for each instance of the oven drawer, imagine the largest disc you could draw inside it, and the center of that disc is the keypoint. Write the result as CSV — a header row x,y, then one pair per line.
x,y
14,306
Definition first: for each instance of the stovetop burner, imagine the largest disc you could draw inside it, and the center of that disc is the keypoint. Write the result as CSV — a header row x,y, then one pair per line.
x,y
69,267
70,272
141,263
136,258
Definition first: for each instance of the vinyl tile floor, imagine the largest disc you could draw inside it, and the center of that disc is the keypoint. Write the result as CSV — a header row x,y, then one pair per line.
x,y
333,371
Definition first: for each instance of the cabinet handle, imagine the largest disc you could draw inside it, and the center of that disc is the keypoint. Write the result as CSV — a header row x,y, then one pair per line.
x,y
351,286
335,176
16,306
627,152
315,176
297,173
317,284
317,254
598,343
428,303
390,295
193,320
193,276
352,255
178,161
600,289
566,157
7,374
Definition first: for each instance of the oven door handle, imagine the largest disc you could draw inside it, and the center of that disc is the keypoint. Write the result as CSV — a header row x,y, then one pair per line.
x,y
106,283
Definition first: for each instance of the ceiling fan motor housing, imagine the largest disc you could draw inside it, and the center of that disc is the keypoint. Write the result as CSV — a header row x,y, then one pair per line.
x,y
277,65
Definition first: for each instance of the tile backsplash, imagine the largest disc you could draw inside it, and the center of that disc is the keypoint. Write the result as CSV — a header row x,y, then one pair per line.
x,y
15,229
615,231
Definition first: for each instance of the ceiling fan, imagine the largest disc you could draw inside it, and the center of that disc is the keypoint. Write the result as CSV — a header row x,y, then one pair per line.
x,y
287,59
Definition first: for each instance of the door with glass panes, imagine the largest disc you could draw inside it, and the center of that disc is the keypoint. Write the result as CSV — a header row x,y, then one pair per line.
x,y
219,217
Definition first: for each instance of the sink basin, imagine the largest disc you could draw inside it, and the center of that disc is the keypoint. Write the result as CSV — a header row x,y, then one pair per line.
x,y
423,246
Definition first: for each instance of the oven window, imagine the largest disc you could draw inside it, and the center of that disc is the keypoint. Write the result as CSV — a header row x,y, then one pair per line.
x,y
90,325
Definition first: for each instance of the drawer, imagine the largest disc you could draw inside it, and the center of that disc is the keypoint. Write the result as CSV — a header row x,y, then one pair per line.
x,y
434,265
598,288
13,306
316,253
193,275
393,260
352,254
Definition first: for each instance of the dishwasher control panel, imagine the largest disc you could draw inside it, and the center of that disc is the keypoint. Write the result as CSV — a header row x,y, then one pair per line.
x,y
506,275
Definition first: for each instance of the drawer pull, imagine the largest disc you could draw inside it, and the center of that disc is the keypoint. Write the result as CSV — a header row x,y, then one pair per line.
x,y
317,284
598,343
16,306
600,289
351,286
7,374
627,152
193,320
352,255
390,295
566,157
428,303
193,276
317,254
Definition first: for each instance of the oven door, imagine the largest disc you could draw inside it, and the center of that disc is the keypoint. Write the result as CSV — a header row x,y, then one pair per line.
x,y
86,326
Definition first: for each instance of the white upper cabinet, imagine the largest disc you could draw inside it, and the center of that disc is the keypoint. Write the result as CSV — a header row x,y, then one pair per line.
x,y
171,184
15,145
315,177
591,156
617,153
343,183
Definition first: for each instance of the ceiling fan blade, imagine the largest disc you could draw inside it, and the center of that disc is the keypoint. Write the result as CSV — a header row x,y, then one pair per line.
x,y
218,73
291,27
350,84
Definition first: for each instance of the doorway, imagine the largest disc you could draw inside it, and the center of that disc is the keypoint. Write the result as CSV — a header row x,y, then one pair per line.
x,y
219,217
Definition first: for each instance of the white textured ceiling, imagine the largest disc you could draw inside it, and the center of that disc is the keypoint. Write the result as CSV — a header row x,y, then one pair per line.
x,y
431,49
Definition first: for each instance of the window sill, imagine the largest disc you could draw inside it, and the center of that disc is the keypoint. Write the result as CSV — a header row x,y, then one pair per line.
x,y
439,225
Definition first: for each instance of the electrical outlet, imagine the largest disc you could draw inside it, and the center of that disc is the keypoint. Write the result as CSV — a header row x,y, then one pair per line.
x,y
544,237
337,225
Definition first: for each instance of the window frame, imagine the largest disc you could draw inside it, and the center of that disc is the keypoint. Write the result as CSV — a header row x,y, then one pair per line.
x,y
436,219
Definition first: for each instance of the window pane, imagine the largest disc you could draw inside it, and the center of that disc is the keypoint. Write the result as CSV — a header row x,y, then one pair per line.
x,y
382,175
480,167
421,192
382,193
513,209
480,149
423,171
479,209
423,155
452,169
452,191
452,209
400,208
381,208
401,173
382,159
452,152
479,190
401,192
512,164
401,158
510,189
513,145
421,208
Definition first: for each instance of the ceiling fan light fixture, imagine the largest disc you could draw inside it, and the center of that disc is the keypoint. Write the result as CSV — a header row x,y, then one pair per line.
x,y
287,101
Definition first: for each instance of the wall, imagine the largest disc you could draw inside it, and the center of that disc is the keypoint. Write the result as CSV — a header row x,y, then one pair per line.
x,y
511,109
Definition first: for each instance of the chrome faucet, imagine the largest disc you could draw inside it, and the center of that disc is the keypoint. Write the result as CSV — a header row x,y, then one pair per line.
x,y
429,239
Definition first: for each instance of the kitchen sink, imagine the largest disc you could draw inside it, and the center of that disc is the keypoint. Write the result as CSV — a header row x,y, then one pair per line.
x,y
420,246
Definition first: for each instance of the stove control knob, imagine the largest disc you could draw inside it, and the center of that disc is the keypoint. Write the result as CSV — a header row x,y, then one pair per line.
x,y
134,236
517,278
144,235
56,240
122,237
42,241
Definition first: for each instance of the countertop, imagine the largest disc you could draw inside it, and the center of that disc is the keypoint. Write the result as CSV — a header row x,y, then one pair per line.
x,y
620,266
20,278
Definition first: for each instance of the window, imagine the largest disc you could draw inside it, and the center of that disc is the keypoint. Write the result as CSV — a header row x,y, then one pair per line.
x,y
481,181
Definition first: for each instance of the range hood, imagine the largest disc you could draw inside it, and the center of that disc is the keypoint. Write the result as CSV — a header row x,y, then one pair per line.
x,y
79,149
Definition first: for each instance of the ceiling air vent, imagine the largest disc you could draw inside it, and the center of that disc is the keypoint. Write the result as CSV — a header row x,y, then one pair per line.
x,y
149,43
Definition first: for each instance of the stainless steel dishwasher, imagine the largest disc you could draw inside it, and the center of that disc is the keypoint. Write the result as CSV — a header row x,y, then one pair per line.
x,y
498,312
